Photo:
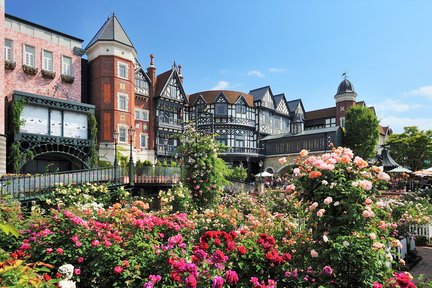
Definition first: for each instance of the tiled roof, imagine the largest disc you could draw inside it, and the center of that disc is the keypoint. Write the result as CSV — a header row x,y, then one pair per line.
x,y
231,96
111,30
292,105
278,98
161,81
259,93
321,113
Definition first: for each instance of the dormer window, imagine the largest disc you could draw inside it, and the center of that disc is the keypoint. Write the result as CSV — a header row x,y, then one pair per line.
x,y
221,109
241,108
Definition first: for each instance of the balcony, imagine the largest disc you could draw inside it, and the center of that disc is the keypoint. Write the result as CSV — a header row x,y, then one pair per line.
x,y
241,150
226,120
172,123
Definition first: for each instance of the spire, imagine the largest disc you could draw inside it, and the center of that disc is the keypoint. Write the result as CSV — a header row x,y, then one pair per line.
x,y
111,30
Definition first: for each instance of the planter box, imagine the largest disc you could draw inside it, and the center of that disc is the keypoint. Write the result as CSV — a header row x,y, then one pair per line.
x,y
30,70
10,65
48,74
67,79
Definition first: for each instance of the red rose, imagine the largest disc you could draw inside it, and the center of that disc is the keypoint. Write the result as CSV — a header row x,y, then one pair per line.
x,y
242,250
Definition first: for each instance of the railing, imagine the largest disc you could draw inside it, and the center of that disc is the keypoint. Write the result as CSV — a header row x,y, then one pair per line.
x,y
424,230
30,187
157,175
226,120
243,150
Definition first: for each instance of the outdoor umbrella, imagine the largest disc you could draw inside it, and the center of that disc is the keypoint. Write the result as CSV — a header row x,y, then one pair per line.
x,y
264,174
423,173
400,169
429,169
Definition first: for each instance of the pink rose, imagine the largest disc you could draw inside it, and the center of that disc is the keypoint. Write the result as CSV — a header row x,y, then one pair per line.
x,y
320,212
282,160
289,188
313,206
328,200
304,153
118,269
313,253
77,271
59,250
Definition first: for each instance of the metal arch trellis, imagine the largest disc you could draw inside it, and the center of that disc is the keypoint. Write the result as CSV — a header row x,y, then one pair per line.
x,y
78,149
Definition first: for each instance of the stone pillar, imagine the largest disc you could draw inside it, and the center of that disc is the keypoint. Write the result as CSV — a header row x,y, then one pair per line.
x,y
2,92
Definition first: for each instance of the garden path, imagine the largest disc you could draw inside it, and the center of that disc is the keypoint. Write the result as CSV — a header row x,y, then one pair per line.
x,y
425,265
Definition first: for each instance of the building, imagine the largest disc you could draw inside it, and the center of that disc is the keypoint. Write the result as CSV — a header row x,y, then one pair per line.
x,y
48,125
136,104
61,97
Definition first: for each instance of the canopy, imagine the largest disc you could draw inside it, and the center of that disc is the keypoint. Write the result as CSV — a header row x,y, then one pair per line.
x,y
400,169
429,169
423,173
264,174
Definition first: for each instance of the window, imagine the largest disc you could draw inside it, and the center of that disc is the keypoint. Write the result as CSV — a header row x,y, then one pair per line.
x,y
141,114
122,134
8,50
47,60
67,66
137,114
221,109
330,122
145,115
143,141
141,86
241,108
122,70
29,56
122,102
222,139
239,141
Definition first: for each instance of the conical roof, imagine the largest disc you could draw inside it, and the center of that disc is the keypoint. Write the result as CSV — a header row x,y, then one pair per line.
x,y
387,161
345,87
111,30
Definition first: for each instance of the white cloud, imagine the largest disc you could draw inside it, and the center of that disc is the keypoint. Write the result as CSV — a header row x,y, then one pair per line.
x,y
398,123
425,91
396,106
276,70
221,85
256,73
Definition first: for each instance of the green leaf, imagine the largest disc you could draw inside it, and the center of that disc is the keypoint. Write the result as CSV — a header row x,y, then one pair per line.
x,y
8,228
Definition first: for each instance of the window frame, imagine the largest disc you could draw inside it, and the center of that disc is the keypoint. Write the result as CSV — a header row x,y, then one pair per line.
x,y
224,105
9,50
63,70
145,142
126,97
126,70
51,68
33,55
120,130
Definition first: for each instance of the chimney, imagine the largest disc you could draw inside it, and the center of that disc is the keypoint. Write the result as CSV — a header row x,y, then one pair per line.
x,y
151,70
180,73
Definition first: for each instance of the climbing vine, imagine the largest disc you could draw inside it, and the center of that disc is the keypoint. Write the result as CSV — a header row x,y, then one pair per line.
x,y
16,110
93,137
19,157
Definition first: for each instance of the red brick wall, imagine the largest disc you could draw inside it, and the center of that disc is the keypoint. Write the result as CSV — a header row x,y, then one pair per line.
x,y
104,88
2,111
18,80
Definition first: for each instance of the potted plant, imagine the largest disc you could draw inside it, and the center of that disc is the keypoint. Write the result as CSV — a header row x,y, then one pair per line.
x,y
10,65
48,74
29,69
67,78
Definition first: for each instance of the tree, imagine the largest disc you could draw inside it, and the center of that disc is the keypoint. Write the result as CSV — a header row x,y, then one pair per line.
x,y
412,148
361,131
204,173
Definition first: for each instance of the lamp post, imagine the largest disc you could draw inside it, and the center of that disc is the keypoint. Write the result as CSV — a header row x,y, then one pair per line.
x,y
131,132
115,137
260,163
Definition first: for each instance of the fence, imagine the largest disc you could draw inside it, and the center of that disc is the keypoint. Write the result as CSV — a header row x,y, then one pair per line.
x,y
31,186
424,230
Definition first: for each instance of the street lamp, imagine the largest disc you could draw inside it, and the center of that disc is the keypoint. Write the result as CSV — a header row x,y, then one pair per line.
x,y
261,163
115,137
131,132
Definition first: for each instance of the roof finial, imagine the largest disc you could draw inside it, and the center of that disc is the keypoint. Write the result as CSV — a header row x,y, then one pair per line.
x,y
345,74
174,65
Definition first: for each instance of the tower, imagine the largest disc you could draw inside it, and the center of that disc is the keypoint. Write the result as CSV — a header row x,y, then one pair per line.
x,y
111,57
345,98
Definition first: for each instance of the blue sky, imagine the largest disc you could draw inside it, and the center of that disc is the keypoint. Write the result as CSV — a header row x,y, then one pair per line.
x,y
299,48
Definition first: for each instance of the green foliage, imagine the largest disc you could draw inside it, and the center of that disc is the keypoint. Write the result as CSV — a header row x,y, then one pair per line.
x,y
104,164
204,172
412,148
237,174
17,107
17,273
18,157
361,131
93,137
86,195
176,199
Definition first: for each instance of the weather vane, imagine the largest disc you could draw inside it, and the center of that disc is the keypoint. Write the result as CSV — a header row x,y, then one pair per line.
x,y
345,74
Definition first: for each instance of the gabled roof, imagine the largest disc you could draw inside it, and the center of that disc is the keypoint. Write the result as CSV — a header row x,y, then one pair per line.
x,y
292,105
278,98
259,93
111,30
163,79
140,69
231,96
321,113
